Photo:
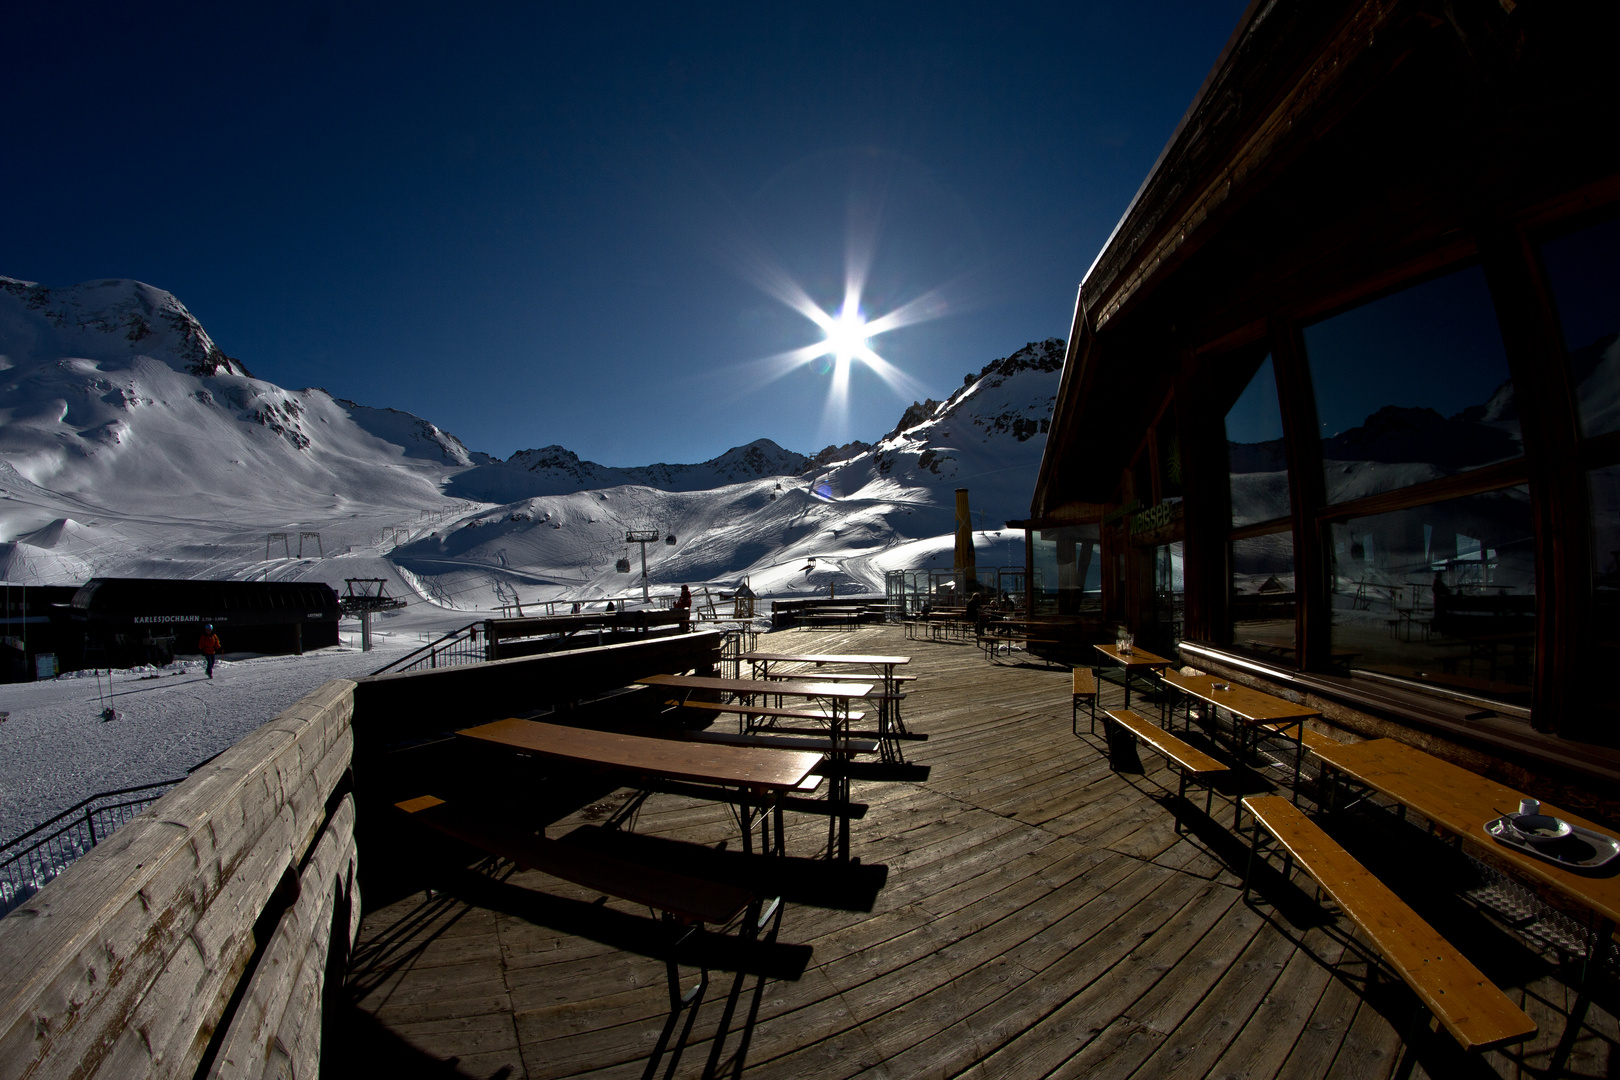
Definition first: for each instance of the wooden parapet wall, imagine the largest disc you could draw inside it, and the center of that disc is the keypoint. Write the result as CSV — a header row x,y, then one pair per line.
x,y
507,638
395,707
128,964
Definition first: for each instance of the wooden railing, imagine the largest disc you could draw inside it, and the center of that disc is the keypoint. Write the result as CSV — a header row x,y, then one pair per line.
x,y
194,941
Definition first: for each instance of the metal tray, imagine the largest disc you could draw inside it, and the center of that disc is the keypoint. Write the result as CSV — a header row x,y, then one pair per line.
x,y
1582,849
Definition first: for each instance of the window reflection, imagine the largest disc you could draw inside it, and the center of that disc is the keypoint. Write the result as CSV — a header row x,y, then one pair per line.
x,y
1605,492
1254,447
1584,273
1068,572
1169,448
1169,595
1412,387
1263,599
1443,594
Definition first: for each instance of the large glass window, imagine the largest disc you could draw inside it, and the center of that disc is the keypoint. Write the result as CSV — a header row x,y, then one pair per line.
x,y
1169,594
1412,387
1605,487
1169,449
1605,654
1443,594
1254,448
1068,571
1262,602
1583,270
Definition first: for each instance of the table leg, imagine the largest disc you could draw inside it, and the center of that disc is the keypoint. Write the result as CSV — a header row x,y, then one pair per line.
x,y
1596,949
1299,756
841,723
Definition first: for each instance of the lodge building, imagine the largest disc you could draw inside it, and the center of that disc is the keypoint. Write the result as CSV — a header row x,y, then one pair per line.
x,y
1341,409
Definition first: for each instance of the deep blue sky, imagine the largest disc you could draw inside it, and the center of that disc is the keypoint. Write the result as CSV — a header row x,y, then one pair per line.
x,y
539,224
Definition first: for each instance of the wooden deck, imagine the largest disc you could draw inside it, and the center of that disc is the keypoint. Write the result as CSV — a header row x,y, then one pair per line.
x,y
1038,916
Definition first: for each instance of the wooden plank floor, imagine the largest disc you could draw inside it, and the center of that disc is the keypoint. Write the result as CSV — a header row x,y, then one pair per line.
x,y
1040,916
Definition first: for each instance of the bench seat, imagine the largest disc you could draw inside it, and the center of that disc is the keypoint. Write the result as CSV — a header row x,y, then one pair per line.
x,y
836,676
684,902
990,643
688,899
1085,688
786,742
1188,759
1467,1004
759,710
910,736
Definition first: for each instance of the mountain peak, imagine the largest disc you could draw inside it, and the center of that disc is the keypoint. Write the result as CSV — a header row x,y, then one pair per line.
x,y
118,319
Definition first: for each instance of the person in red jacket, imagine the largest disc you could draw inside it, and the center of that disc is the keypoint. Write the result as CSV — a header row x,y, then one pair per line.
x,y
209,645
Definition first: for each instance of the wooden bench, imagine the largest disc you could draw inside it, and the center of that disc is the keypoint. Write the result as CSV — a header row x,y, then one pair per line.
x,y
1085,686
991,643
1454,991
1184,756
683,901
829,617
758,710
837,676
786,742
910,736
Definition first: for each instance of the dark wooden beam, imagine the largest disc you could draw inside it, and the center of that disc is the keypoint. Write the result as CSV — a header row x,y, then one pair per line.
x,y
1313,614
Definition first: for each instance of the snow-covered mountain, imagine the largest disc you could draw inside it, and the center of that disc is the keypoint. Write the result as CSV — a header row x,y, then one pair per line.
x,y
552,470
830,519
113,393
130,443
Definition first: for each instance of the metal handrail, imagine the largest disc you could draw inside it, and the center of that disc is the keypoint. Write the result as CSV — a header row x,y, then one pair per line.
x,y
467,634
79,825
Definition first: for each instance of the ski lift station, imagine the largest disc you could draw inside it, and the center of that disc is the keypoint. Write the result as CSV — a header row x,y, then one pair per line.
x,y
125,621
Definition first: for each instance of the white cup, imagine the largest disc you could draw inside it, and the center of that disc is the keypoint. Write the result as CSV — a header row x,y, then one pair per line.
x,y
1529,807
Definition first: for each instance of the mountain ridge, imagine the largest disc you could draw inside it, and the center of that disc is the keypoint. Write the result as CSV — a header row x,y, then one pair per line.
x,y
132,444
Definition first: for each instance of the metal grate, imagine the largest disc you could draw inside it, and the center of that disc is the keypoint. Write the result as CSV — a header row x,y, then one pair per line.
x,y
38,855
1520,907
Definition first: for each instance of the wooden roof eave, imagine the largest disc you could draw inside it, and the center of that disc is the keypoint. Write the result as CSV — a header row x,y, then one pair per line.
x,y
1057,441
1230,145
1170,217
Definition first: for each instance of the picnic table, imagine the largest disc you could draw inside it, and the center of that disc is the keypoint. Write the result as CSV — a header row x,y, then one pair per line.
x,y
1462,803
837,695
766,775
1257,710
889,701
1004,630
1134,660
